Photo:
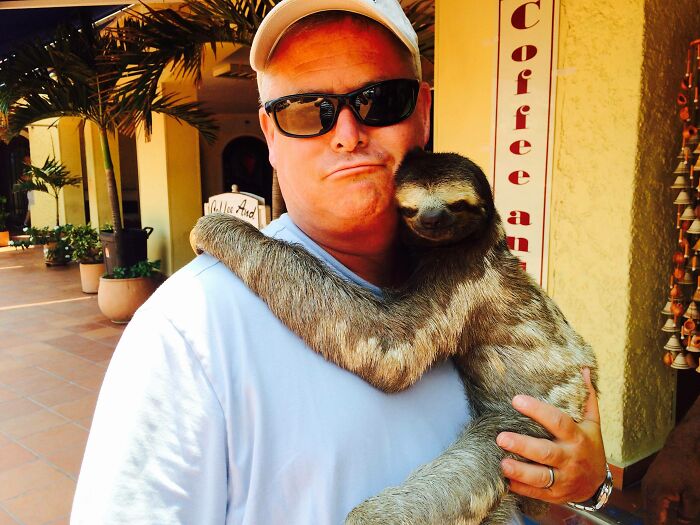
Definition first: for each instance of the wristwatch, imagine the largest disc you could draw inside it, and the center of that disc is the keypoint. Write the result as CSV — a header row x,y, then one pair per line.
x,y
600,498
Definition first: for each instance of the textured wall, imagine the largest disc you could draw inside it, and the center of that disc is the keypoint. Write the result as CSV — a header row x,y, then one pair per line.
x,y
616,135
669,26
612,226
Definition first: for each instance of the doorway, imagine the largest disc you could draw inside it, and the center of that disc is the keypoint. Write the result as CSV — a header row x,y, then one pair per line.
x,y
246,165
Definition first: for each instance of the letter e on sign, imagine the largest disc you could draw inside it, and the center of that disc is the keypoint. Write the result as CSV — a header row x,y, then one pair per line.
x,y
520,147
519,177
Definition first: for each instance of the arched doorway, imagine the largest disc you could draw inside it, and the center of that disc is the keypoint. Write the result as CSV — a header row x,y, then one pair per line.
x,y
246,165
12,158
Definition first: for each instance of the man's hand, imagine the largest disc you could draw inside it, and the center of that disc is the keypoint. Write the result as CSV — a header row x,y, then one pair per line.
x,y
575,453
674,476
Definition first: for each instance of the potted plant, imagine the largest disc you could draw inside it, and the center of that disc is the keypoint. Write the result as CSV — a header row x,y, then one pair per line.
x,y
4,233
57,251
121,293
87,250
50,178
84,73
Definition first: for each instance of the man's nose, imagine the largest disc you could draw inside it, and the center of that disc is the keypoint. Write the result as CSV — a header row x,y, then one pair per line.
x,y
348,133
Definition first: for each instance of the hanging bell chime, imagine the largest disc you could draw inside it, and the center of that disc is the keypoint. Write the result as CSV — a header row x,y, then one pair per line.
x,y
682,198
687,278
680,183
692,311
673,344
688,213
679,362
695,227
670,326
682,168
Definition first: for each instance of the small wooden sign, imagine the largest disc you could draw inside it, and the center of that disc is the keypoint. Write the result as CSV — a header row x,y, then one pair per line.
x,y
245,206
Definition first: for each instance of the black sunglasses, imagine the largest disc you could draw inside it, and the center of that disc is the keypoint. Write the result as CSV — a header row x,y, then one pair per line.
x,y
312,114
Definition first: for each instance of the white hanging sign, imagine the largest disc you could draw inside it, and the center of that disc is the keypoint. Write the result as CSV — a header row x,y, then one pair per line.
x,y
524,125
245,206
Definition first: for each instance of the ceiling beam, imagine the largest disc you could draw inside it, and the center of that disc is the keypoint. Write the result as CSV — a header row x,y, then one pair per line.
x,y
31,4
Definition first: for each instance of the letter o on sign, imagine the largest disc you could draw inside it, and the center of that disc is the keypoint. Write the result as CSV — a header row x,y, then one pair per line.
x,y
524,53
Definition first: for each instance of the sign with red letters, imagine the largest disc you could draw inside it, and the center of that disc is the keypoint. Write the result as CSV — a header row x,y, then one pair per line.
x,y
524,124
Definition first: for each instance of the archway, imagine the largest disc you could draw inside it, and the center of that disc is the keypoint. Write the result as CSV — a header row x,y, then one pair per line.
x,y
246,165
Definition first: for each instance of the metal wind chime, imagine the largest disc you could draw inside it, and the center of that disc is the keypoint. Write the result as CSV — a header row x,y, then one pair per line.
x,y
683,307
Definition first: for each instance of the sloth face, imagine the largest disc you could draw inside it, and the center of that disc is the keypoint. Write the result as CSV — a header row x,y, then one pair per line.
x,y
442,198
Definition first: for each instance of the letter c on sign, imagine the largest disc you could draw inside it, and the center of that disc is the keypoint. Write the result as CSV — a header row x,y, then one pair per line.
x,y
519,17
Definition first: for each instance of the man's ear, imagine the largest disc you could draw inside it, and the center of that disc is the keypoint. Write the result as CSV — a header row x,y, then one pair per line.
x,y
269,130
423,105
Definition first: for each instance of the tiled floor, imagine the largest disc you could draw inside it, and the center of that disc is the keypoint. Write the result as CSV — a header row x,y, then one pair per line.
x,y
54,348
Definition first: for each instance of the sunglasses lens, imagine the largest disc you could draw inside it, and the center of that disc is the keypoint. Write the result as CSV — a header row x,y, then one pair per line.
x,y
387,103
304,116
381,104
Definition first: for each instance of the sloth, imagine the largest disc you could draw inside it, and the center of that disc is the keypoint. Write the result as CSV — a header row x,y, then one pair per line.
x,y
466,298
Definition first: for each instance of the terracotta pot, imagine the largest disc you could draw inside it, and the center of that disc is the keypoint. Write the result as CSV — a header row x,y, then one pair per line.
x,y
90,274
53,259
118,299
4,238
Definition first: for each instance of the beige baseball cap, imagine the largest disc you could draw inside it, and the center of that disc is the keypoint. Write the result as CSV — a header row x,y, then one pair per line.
x,y
387,12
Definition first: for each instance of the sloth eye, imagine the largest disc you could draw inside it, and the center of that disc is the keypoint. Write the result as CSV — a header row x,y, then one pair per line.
x,y
408,212
461,205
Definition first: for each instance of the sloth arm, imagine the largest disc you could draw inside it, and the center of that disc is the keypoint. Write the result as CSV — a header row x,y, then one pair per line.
x,y
389,342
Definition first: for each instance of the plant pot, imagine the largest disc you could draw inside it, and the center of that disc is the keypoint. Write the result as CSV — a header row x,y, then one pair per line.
x,y
118,299
4,238
90,274
53,259
135,247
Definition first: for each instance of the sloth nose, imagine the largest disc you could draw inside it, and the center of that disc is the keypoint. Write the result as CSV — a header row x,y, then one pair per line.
x,y
432,219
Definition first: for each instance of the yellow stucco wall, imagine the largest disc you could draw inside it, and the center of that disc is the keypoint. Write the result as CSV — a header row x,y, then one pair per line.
x,y
170,187
616,135
60,139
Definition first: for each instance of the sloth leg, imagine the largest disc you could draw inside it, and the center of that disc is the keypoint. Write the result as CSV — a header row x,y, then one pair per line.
x,y
389,343
464,483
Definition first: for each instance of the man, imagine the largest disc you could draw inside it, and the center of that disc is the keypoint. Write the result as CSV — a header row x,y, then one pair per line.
x,y
212,412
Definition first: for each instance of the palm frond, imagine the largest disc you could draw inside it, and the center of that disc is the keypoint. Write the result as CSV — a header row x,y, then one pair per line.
x,y
50,178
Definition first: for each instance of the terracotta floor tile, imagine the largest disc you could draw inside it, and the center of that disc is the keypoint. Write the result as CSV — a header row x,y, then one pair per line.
x,y
40,506
49,334
79,328
68,460
96,353
85,423
93,383
38,421
62,394
27,477
103,332
55,438
5,519
33,347
17,407
62,521
37,382
12,455
6,394
84,369
69,342
4,440
78,409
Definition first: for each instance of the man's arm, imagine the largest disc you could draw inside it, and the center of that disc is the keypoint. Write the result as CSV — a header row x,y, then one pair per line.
x,y
575,452
156,452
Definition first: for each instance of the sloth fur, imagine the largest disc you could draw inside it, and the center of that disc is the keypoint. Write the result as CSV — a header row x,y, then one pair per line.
x,y
467,298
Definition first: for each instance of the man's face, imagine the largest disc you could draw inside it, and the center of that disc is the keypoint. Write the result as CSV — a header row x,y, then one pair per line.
x,y
341,182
